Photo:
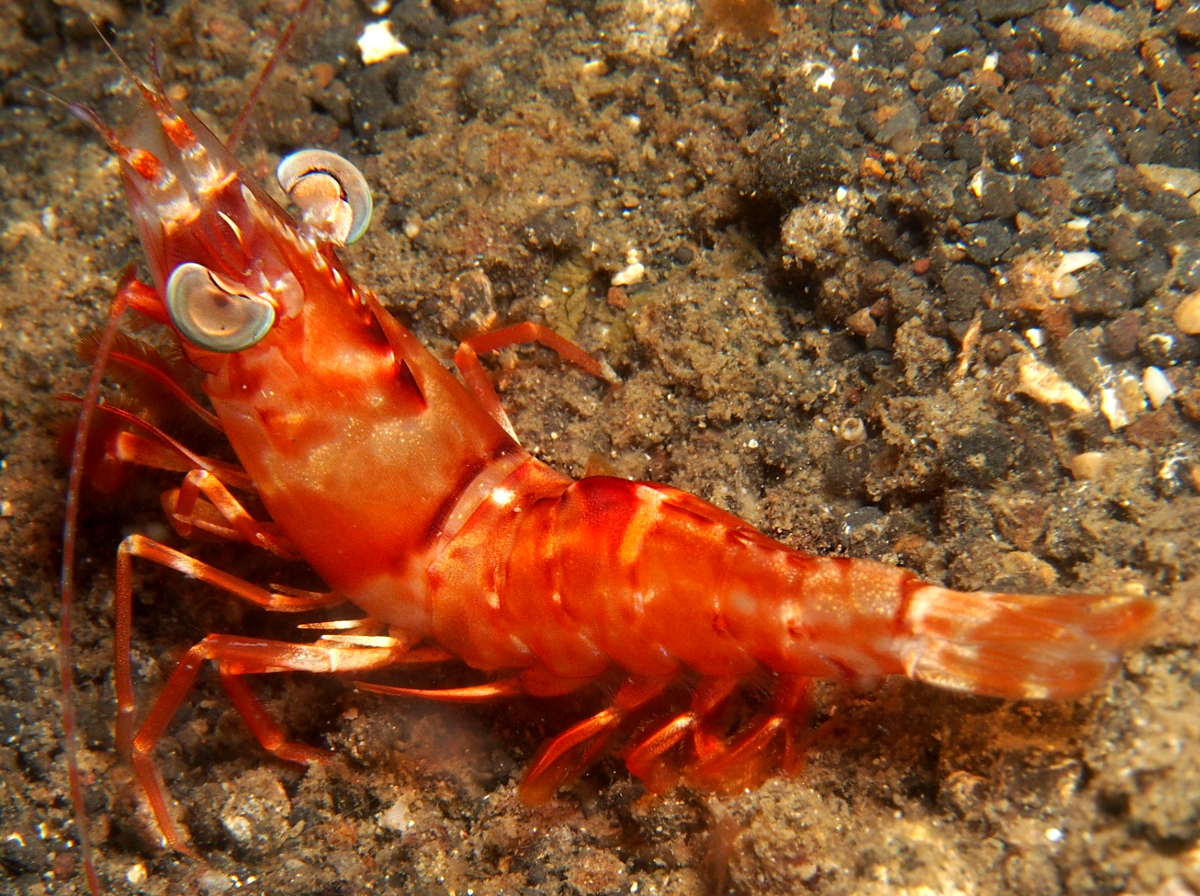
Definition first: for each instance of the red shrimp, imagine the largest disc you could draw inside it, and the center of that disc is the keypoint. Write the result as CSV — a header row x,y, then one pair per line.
x,y
407,492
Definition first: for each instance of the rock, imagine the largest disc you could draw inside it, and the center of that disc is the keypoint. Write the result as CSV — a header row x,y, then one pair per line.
x,y
1008,10
1164,66
1121,336
1187,26
1187,314
1169,177
1089,465
1177,147
988,241
965,287
1091,167
1097,31
1079,360
1187,264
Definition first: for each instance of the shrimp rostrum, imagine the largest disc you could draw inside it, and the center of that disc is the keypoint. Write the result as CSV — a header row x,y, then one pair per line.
x,y
407,492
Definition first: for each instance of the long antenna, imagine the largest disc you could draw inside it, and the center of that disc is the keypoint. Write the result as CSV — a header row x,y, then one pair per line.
x,y
66,667
239,126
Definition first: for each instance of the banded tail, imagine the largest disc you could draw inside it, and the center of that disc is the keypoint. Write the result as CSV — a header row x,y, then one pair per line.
x,y
1021,646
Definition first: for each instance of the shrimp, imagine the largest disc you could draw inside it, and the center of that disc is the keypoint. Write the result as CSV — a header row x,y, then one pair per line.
x,y
407,491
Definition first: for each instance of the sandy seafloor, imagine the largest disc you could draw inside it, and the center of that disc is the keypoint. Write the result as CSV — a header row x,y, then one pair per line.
x,y
822,213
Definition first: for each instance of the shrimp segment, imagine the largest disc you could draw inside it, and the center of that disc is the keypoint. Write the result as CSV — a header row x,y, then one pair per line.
x,y
409,494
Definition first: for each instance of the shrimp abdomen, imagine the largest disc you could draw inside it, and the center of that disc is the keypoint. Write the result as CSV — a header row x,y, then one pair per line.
x,y
642,576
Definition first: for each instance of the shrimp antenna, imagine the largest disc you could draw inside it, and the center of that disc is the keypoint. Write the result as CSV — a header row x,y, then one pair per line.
x,y
115,55
66,667
239,126
91,397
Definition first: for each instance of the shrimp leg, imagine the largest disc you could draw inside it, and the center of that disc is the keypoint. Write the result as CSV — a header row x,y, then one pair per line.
x,y
570,754
187,512
466,359
148,549
724,762
748,760
236,657
647,759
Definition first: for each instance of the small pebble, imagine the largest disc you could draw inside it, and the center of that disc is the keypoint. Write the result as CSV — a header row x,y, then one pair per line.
x,y
1187,26
1158,387
213,881
1090,465
1187,314
987,241
861,322
1132,395
1091,34
1181,180
1121,336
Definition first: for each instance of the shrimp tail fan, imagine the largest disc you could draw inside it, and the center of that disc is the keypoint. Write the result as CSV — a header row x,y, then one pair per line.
x,y
1021,646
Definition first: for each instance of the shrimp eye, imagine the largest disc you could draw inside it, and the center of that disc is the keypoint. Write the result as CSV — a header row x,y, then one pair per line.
x,y
212,314
332,195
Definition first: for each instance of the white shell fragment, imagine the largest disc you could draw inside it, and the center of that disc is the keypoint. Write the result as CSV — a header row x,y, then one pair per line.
x,y
1122,399
1064,287
1113,409
633,272
1074,261
1158,387
332,195
398,818
1063,284
377,43
1045,384
630,275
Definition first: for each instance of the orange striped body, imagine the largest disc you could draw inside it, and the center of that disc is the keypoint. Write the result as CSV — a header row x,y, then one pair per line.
x,y
561,581
407,492
652,578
